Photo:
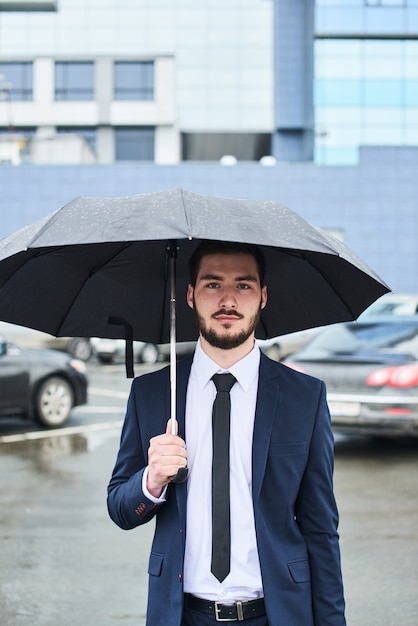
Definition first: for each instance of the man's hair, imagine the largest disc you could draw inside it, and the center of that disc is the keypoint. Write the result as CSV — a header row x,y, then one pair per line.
x,y
208,246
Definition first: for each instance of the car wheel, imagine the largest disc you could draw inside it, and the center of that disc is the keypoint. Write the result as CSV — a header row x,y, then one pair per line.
x,y
53,402
149,354
80,348
105,359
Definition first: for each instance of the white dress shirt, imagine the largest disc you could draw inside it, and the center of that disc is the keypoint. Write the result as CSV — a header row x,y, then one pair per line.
x,y
244,580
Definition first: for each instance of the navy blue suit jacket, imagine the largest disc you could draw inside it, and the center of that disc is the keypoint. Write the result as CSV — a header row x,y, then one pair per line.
x,y
295,513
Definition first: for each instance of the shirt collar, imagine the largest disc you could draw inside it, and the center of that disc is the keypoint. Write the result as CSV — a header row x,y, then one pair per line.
x,y
244,370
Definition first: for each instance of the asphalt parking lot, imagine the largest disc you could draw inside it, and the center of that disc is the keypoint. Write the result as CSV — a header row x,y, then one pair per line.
x,y
64,562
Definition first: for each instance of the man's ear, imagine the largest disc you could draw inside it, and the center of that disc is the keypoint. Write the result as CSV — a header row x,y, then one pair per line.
x,y
263,296
189,297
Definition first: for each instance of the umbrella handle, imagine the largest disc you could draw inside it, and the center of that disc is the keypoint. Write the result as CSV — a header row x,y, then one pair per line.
x,y
182,472
181,475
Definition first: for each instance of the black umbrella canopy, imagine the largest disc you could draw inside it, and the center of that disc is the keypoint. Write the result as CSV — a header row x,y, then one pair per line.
x,y
99,266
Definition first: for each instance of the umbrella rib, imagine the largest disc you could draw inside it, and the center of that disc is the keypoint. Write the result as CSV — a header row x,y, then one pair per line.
x,y
90,274
49,220
325,279
186,216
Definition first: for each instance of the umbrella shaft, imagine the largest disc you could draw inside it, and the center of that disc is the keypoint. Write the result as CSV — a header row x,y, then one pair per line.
x,y
173,372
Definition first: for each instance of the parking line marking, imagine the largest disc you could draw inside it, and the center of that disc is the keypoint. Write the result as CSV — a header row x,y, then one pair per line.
x,y
58,432
95,391
86,408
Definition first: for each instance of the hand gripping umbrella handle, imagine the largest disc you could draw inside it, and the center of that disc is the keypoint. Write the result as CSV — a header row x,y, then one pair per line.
x,y
181,475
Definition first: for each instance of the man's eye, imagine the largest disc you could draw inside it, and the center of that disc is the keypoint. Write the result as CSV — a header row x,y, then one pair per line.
x,y
244,286
212,285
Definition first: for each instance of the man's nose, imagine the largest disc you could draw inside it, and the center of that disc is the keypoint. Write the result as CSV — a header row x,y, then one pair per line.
x,y
228,297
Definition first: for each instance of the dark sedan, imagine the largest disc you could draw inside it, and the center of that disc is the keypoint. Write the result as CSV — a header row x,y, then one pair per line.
x,y
40,384
371,372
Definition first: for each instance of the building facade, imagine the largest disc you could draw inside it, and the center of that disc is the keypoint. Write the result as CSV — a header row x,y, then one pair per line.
x,y
366,77
311,103
146,80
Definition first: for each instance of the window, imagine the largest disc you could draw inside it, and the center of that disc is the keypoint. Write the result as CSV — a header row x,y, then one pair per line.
x,y
134,144
16,81
22,132
74,80
213,146
385,3
366,93
28,5
134,80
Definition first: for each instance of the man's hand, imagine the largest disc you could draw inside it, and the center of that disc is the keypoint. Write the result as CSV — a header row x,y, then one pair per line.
x,y
166,454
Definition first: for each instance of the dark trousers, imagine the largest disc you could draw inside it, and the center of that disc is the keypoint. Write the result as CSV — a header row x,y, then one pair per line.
x,y
196,618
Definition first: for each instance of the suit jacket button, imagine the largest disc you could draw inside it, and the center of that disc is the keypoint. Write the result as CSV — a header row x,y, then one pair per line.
x,y
180,577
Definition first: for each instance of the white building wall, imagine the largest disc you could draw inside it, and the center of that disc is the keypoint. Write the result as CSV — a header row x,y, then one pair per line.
x,y
43,82
167,145
62,150
223,50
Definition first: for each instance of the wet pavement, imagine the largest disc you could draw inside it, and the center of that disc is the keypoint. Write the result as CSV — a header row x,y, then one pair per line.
x,y
62,559
376,488
63,562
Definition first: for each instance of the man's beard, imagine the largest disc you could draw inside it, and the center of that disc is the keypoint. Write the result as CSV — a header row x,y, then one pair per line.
x,y
225,341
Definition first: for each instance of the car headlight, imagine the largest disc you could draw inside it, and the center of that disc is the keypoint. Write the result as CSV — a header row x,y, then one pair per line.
x,y
78,365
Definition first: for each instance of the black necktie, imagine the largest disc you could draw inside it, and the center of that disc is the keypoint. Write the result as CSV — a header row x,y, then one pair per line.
x,y
221,522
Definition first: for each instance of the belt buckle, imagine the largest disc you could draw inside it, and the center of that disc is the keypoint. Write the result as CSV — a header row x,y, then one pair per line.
x,y
240,613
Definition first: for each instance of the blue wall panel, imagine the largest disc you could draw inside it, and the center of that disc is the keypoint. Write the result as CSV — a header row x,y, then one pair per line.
x,y
374,204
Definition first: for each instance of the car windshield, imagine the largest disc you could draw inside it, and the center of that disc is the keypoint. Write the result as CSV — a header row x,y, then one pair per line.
x,y
353,338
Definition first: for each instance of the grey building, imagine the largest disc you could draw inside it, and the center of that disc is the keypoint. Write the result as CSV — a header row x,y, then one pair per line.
x,y
314,104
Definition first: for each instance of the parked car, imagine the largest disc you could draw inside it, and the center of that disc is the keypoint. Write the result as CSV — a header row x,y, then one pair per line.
x,y
40,384
182,349
393,304
370,368
278,348
281,347
110,350
78,347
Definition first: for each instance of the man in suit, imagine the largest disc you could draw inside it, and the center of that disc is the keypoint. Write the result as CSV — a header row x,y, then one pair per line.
x,y
284,563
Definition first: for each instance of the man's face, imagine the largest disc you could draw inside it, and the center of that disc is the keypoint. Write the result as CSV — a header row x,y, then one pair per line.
x,y
227,299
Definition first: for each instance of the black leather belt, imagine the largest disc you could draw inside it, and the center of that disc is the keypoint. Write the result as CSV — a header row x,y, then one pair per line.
x,y
234,612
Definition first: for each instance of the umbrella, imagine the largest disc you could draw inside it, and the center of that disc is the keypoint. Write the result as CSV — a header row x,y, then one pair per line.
x,y
108,267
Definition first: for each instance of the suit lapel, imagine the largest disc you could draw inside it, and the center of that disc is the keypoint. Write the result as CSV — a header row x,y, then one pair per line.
x,y
183,373
266,409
